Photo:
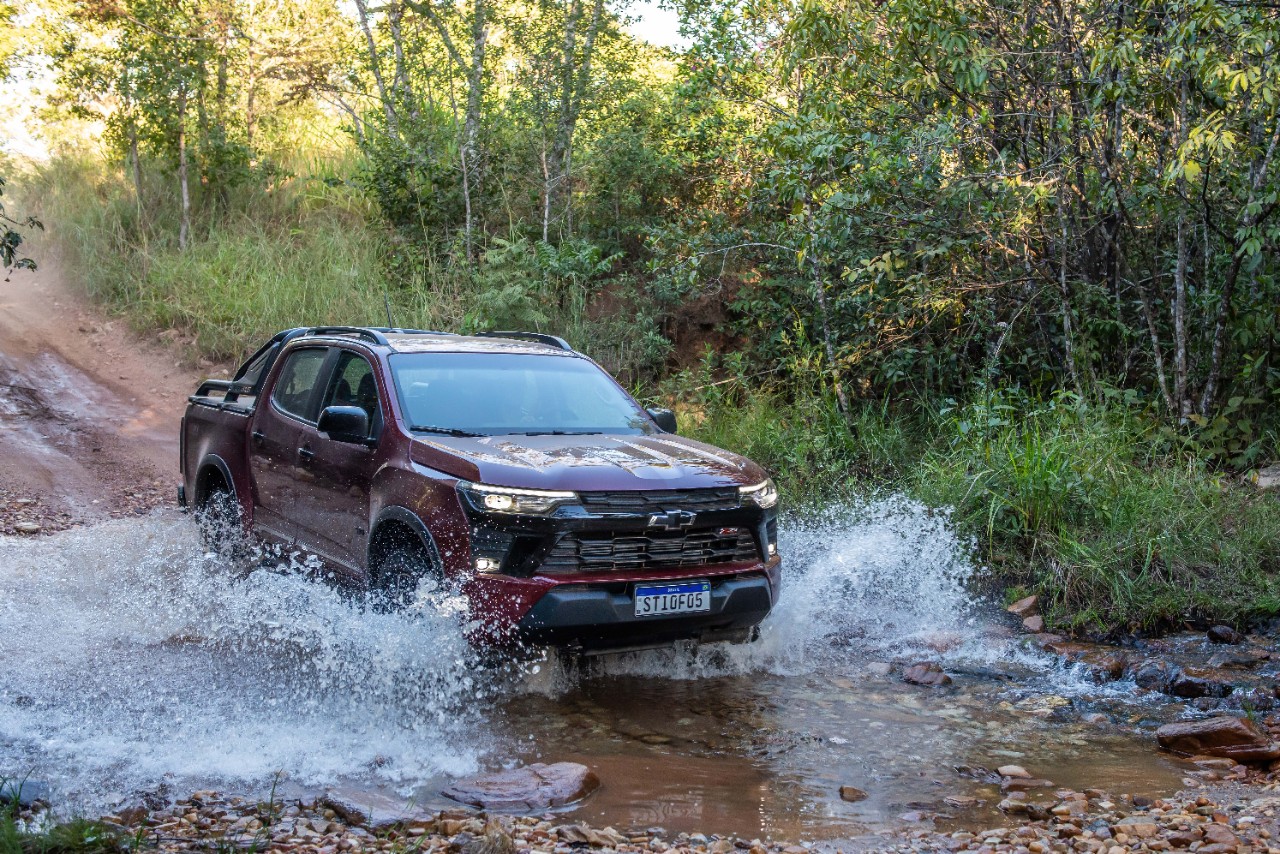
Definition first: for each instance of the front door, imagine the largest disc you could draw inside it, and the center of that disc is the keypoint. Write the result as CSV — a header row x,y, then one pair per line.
x,y
274,441
335,479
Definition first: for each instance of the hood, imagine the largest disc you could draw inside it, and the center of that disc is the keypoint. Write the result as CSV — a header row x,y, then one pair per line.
x,y
586,463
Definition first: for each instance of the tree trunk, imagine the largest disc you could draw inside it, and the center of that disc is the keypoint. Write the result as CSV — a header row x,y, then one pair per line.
x,y
375,66
471,120
184,228
137,168
1180,391
824,312
575,78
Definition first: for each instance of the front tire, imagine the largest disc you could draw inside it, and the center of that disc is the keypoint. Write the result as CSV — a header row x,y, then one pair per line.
x,y
399,562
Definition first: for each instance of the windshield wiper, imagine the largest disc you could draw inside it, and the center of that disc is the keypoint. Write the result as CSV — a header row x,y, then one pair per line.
x,y
556,433
444,431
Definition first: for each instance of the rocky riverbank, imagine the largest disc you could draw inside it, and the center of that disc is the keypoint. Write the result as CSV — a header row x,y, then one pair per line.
x,y
1227,819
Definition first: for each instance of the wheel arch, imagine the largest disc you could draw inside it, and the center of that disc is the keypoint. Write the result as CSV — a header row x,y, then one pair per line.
x,y
212,467
396,516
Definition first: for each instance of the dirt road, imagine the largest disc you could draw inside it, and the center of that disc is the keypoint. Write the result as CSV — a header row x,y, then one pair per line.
x,y
89,412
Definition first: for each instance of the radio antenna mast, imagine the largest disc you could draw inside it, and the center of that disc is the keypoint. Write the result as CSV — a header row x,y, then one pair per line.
x,y
386,300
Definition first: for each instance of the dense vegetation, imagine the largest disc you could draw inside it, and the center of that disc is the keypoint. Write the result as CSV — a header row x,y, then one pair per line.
x,y
1017,259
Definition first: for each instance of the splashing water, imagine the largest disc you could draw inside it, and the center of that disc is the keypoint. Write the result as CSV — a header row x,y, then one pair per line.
x,y
133,659
131,655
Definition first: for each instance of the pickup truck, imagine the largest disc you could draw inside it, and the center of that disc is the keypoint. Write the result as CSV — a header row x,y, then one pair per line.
x,y
504,466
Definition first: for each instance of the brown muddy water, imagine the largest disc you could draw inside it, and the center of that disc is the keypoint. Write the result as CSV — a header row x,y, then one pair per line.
x,y
133,663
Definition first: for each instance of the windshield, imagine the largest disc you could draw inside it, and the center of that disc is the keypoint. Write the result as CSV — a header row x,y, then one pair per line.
x,y
489,394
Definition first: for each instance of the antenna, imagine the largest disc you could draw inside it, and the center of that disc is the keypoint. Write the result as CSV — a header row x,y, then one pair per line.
x,y
387,302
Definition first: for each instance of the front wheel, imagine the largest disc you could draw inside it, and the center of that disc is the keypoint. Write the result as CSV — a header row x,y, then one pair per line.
x,y
400,562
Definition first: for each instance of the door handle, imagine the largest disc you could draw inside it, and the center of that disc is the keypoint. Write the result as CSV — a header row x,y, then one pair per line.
x,y
258,436
306,454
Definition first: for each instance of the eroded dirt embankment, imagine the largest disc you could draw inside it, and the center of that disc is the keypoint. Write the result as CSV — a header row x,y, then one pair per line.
x,y
89,411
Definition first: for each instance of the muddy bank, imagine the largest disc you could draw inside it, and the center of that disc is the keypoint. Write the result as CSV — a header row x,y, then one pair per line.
x,y
89,411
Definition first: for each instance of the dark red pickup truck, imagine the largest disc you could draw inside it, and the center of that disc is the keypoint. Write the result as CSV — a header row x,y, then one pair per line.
x,y
503,465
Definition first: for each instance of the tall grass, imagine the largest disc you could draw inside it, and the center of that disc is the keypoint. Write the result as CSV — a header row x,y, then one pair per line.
x,y
1118,524
302,248
300,252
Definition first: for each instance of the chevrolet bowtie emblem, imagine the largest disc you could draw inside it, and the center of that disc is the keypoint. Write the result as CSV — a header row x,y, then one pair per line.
x,y
673,520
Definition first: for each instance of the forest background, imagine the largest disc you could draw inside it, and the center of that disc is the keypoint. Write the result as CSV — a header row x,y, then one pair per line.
x,y
1015,260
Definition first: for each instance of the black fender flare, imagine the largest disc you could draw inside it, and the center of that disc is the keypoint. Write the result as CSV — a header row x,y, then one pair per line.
x,y
405,516
212,461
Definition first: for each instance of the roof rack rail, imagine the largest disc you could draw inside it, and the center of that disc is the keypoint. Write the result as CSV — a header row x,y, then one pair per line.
x,y
539,337
396,330
368,333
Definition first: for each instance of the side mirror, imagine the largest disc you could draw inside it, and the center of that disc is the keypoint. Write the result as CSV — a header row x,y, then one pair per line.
x,y
664,418
345,424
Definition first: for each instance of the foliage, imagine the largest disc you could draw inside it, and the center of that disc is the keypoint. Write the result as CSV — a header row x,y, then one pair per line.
x,y
78,836
11,238
1115,521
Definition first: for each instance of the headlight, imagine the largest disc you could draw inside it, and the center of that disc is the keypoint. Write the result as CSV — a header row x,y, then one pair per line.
x,y
506,499
762,494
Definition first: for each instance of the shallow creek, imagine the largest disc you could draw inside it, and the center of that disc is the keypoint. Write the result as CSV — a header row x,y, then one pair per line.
x,y
133,662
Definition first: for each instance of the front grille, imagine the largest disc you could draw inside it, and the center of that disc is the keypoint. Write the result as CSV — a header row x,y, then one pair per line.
x,y
612,552
656,500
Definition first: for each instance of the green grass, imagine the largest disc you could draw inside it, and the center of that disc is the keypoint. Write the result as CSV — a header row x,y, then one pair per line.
x,y
300,253
304,251
79,836
1118,525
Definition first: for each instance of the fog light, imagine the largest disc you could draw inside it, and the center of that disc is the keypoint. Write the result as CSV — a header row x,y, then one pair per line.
x,y
486,564
773,549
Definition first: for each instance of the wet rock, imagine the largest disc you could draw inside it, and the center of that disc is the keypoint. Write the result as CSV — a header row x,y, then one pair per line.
x,y
1023,784
1013,771
1012,807
852,794
1225,635
1024,608
1034,624
1153,674
1225,736
28,793
1106,667
27,528
1193,683
373,810
927,673
531,787
960,802
879,668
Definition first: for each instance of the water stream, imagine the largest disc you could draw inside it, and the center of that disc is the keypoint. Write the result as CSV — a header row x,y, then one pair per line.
x,y
134,661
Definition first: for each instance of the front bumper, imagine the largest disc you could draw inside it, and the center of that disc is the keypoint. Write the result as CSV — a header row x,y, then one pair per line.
x,y
602,616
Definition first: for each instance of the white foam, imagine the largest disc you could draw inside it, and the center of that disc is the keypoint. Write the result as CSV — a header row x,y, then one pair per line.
x,y
130,655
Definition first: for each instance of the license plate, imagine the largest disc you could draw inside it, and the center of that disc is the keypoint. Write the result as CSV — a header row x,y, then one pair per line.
x,y
687,597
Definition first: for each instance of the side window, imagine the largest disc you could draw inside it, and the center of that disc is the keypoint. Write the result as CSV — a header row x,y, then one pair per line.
x,y
298,380
354,385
